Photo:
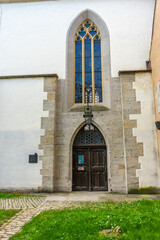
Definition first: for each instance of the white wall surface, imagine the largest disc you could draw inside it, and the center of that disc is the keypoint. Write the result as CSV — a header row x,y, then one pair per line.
x,y
33,35
146,131
21,104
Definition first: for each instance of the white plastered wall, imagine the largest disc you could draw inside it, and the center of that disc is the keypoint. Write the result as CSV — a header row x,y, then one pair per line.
x,y
146,131
33,35
21,104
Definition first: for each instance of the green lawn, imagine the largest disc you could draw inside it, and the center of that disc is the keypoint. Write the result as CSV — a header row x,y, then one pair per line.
x,y
138,220
16,195
5,215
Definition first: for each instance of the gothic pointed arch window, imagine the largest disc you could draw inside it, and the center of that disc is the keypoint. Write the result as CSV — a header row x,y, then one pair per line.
x,y
88,63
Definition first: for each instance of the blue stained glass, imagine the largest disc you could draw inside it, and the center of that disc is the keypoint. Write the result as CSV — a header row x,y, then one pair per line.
x,y
82,32
78,71
98,79
87,47
78,48
93,31
98,94
88,79
78,65
78,96
97,70
78,77
87,40
78,87
87,25
96,38
87,50
88,63
97,63
97,48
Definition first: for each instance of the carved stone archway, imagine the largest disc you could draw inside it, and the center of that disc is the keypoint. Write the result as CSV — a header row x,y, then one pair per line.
x,y
89,160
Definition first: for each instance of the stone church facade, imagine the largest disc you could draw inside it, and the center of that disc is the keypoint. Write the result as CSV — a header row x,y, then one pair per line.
x,y
121,153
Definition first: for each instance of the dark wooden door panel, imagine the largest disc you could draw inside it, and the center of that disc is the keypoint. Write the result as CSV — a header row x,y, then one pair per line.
x,y
80,170
99,182
80,180
99,169
92,174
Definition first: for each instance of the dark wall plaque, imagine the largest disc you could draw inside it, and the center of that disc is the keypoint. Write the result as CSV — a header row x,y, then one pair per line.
x,y
33,158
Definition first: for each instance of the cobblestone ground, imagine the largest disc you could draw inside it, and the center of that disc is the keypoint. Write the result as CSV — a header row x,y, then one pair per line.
x,y
30,207
15,224
21,203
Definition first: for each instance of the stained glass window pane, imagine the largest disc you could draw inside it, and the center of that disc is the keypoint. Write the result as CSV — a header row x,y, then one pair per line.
x,y
93,31
78,71
82,32
98,94
97,70
88,34
87,25
98,77
88,65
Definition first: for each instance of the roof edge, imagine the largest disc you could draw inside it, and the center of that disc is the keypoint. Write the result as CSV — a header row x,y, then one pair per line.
x,y
24,1
29,76
153,24
133,71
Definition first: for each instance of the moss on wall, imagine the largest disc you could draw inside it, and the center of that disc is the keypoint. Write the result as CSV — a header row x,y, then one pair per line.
x,y
144,190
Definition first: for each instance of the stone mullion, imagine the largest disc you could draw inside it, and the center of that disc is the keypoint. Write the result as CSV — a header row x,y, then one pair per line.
x,y
83,73
93,77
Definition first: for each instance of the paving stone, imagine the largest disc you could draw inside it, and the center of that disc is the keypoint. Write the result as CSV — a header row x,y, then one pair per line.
x,y
20,203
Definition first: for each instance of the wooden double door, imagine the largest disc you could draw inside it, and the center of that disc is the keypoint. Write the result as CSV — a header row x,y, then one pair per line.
x,y
90,168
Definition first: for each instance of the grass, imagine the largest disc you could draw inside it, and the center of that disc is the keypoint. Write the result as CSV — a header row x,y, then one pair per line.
x,y
16,195
139,220
5,215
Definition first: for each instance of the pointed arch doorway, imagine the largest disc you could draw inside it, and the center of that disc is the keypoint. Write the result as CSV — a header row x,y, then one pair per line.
x,y
89,161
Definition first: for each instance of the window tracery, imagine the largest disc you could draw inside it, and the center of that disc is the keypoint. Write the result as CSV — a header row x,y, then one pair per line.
x,y
88,63
89,135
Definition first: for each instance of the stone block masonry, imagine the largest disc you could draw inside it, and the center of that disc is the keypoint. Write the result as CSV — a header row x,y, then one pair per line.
x,y
115,124
132,149
47,143
108,122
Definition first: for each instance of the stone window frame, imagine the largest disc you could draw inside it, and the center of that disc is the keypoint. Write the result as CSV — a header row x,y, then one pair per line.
x,y
101,25
86,31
